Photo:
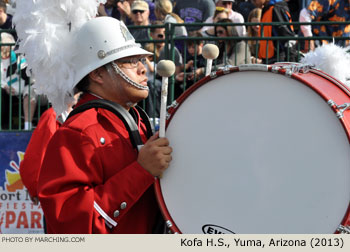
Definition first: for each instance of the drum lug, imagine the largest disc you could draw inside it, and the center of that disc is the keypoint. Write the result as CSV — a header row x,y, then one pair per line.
x,y
226,69
341,108
289,72
291,68
169,224
274,69
172,106
343,229
213,75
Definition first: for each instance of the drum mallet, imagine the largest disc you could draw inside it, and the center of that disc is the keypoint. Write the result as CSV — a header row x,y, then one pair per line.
x,y
210,52
165,68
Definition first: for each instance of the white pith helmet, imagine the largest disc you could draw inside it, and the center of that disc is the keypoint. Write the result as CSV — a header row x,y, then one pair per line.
x,y
100,41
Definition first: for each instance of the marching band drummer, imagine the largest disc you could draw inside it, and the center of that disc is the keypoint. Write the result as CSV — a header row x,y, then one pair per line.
x,y
92,180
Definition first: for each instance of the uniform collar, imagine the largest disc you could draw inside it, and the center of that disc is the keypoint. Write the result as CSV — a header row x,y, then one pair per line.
x,y
87,97
90,96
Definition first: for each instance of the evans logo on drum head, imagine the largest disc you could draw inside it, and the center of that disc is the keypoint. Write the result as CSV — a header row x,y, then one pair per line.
x,y
214,229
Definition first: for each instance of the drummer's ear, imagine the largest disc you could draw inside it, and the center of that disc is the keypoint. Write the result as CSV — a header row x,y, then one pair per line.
x,y
96,75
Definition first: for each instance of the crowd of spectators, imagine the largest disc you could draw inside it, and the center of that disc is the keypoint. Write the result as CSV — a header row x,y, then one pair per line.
x,y
16,88
227,22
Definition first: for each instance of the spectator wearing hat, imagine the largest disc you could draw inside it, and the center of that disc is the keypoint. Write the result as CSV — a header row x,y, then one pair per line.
x,y
140,17
233,15
121,10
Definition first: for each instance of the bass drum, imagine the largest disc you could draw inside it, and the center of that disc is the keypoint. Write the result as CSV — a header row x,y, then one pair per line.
x,y
259,149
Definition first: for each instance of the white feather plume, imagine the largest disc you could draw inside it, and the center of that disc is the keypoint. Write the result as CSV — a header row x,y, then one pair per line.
x,y
46,30
331,59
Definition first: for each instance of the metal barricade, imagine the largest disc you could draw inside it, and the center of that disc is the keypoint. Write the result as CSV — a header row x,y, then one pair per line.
x,y
13,108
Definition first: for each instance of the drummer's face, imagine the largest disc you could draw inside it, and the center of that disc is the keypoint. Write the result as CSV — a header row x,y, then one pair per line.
x,y
136,73
111,86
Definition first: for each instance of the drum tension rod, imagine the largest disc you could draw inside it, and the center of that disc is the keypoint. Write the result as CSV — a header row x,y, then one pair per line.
x,y
344,229
341,108
173,105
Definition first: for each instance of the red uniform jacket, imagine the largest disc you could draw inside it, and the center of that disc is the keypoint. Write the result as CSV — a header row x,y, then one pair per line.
x,y
90,181
34,155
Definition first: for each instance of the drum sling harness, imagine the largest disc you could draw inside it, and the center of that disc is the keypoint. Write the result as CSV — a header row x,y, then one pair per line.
x,y
123,115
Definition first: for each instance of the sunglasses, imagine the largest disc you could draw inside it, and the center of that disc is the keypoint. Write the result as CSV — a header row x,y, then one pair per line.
x,y
226,3
220,32
136,11
161,36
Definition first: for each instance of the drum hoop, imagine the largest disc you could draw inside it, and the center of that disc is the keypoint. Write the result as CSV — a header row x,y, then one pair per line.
x,y
164,209
346,220
263,68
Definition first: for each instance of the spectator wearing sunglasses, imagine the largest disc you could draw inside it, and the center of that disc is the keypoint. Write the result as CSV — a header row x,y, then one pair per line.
x,y
233,15
157,48
254,31
220,13
140,17
232,52
121,10
156,33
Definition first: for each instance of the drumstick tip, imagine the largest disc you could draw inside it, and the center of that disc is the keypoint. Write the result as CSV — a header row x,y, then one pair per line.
x,y
166,68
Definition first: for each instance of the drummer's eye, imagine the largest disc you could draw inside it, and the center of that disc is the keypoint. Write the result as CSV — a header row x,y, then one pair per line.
x,y
131,62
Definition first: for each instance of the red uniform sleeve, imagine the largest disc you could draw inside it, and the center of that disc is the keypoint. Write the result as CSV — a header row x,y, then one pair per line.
x,y
34,154
91,186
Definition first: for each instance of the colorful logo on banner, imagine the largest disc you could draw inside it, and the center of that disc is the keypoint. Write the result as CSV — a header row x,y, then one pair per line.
x,y
17,212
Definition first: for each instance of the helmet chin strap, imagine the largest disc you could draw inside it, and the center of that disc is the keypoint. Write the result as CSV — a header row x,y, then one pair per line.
x,y
117,70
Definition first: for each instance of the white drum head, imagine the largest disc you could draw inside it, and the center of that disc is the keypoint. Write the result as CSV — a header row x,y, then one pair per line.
x,y
256,152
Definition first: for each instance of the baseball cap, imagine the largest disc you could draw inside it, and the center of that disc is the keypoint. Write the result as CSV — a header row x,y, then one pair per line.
x,y
139,5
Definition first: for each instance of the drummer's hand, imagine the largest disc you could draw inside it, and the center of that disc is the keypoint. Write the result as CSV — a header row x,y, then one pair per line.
x,y
155,155
180,77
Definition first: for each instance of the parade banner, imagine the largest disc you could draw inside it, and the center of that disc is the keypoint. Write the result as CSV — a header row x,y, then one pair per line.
x,y
18,215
